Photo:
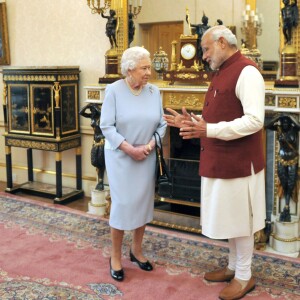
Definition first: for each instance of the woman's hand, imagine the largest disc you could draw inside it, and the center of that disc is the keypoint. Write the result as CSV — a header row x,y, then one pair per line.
x,y
139,153
176,119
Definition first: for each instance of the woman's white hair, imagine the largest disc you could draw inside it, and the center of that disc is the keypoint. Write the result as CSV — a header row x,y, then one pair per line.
x,y
222,31
131,58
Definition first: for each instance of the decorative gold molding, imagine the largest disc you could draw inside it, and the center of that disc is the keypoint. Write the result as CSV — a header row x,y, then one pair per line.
x,y
295,239
68,145
177,227
32,144
270,100
189,76
43,145
287,102
29,78
176,100
40,77
93,95
67,77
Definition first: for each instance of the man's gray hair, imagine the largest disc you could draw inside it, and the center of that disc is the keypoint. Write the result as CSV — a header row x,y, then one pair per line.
x,y
131,58
222,31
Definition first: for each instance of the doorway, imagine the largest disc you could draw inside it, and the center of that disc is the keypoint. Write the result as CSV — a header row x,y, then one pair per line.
x,y
156,35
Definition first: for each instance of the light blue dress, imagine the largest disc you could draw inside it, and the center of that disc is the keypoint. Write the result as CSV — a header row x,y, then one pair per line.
x,y
125,116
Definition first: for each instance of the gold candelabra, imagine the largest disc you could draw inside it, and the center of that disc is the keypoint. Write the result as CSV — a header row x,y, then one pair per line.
x,y
135,7
96,8
251,26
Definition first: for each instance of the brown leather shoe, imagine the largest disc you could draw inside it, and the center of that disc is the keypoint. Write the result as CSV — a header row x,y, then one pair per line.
x,y
219,275
234,290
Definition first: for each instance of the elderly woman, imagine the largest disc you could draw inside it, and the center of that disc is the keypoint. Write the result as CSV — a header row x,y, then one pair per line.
x,y
131,113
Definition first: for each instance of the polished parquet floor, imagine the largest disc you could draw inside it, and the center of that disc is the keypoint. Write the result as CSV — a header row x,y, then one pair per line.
x,y
79,204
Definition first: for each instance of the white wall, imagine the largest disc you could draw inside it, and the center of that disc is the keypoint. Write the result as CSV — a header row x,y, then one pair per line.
x,y
269,41
229,11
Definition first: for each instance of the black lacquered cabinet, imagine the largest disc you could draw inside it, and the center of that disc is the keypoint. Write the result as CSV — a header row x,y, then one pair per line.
x,y
41,112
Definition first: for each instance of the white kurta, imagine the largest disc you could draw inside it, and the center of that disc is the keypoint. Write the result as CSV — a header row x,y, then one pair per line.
x,y
125,116
236,207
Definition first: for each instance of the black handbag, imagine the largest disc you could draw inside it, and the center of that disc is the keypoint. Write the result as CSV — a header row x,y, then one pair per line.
x,y
162,175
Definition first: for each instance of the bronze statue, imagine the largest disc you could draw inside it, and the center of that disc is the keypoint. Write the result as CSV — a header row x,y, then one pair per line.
x,y
131,28
111,27
199,30
289,15
97,151
287,128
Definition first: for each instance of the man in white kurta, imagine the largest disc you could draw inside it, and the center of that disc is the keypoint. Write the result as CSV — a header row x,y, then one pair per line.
x,y
231,159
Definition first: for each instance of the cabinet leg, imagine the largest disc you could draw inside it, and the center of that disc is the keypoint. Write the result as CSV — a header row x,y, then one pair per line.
x,y
9,181
58,175
30,164
78,169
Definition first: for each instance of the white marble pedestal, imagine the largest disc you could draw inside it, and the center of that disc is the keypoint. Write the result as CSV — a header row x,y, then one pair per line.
x,y
285,236
98,203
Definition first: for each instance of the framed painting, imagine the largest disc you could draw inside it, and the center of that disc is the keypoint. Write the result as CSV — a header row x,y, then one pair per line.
x,y
4,45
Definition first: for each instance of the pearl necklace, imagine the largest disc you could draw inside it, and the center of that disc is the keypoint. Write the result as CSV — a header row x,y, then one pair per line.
x,y
133,91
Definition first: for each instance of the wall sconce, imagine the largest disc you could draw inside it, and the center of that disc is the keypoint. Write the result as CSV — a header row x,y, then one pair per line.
x,y
95,6
135,8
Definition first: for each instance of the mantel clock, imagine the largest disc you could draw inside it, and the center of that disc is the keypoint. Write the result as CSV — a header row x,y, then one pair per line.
x,y
190,69
188,51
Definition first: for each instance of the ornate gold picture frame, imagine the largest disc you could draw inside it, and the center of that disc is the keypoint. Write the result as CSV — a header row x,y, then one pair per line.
x,y
4,45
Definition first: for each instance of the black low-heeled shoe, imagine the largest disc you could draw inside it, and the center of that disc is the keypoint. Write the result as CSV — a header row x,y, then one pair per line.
x,y
116,275
146,266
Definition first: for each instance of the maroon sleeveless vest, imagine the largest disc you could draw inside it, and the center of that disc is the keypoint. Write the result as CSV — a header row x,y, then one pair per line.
x,y
228,159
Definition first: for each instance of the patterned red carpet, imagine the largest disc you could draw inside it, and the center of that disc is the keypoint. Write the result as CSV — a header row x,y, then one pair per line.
x,y
50,252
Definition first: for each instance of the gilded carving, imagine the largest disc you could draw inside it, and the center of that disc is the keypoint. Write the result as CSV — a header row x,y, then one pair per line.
x,y
67,77
189,100
284,240
270,100
191,76
29,78
32,144
69,144
56,89
4,94
93,95
177,227
287,102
